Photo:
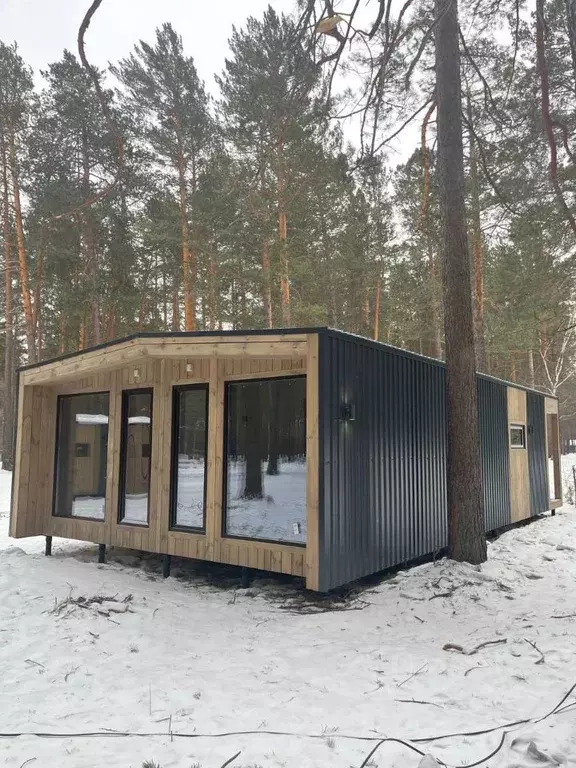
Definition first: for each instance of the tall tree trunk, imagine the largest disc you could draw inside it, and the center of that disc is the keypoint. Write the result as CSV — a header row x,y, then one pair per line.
x,y
284,270
283,237
111,325
570,6
531,376
89,244
365,318
267,284
9,353
62,341
547,122
188,259
176,301
466,540
142,311
377,309
436,302
212,292
252,437
425,225
22,257
274,416
477,249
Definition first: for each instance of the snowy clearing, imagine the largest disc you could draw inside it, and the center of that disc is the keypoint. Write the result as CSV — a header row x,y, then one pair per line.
x,y
188,656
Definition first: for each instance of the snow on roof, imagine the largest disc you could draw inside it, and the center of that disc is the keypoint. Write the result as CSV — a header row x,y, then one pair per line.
x,y
138,419
91,418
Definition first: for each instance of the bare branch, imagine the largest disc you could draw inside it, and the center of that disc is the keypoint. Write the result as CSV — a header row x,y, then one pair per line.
x,y
426,163
484,163
406,123
488,98
546,117
516,45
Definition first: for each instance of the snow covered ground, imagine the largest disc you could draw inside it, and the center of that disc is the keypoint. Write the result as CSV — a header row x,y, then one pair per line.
x,y
316,688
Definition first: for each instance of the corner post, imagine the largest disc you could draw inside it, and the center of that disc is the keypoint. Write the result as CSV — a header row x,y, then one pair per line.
x,y
101,553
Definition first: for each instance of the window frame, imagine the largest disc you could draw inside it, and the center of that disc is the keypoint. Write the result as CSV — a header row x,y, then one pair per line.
x,y
59,400
172,524
224,504
123,455
524,441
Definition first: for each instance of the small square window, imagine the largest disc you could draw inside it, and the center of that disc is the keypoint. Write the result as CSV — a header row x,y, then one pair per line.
x,y
82,450
517,436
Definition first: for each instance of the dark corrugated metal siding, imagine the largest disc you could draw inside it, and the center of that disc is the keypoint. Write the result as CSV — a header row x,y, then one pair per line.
x,y
537,460
493,418
382,475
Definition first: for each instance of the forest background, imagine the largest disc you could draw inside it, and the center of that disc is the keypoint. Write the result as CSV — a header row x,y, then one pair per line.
x,y
289,198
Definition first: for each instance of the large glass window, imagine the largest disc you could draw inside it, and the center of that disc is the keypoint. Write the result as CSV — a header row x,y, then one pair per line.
x,y
136,456
81,455
265,483
190,427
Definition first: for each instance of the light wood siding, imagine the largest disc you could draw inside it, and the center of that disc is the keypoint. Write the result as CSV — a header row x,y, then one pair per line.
x,y
519,477
161,364
553,450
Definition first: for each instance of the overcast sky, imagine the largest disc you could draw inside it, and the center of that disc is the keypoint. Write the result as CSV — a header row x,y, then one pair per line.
x,y
43,28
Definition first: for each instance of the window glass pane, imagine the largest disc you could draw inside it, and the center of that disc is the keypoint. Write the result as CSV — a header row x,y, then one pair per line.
x,y
136,456
517,437
265,491
81,455
190,456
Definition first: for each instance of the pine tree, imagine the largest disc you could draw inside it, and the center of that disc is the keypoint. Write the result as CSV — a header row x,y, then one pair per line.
x,y
164,90
16,97
270,110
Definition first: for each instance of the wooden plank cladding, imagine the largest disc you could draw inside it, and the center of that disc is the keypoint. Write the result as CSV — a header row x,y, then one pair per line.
x,y
159,364
553,452
519,474
142,349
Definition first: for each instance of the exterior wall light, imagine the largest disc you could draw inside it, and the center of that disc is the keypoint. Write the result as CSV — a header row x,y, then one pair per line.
x,y
348,412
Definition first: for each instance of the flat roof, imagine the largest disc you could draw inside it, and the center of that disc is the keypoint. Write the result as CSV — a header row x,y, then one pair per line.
x,y
320,330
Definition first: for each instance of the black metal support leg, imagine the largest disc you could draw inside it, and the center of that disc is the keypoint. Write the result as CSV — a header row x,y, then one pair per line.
x,y
48,549
245,577
166,564
553,512
101,553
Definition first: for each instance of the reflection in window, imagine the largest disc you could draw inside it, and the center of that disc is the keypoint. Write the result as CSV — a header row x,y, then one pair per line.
x,y
265,492
518,436
81,455
136,455
189,459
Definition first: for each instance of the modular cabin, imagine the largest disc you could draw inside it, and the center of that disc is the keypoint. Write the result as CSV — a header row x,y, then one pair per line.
x,y
309,452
